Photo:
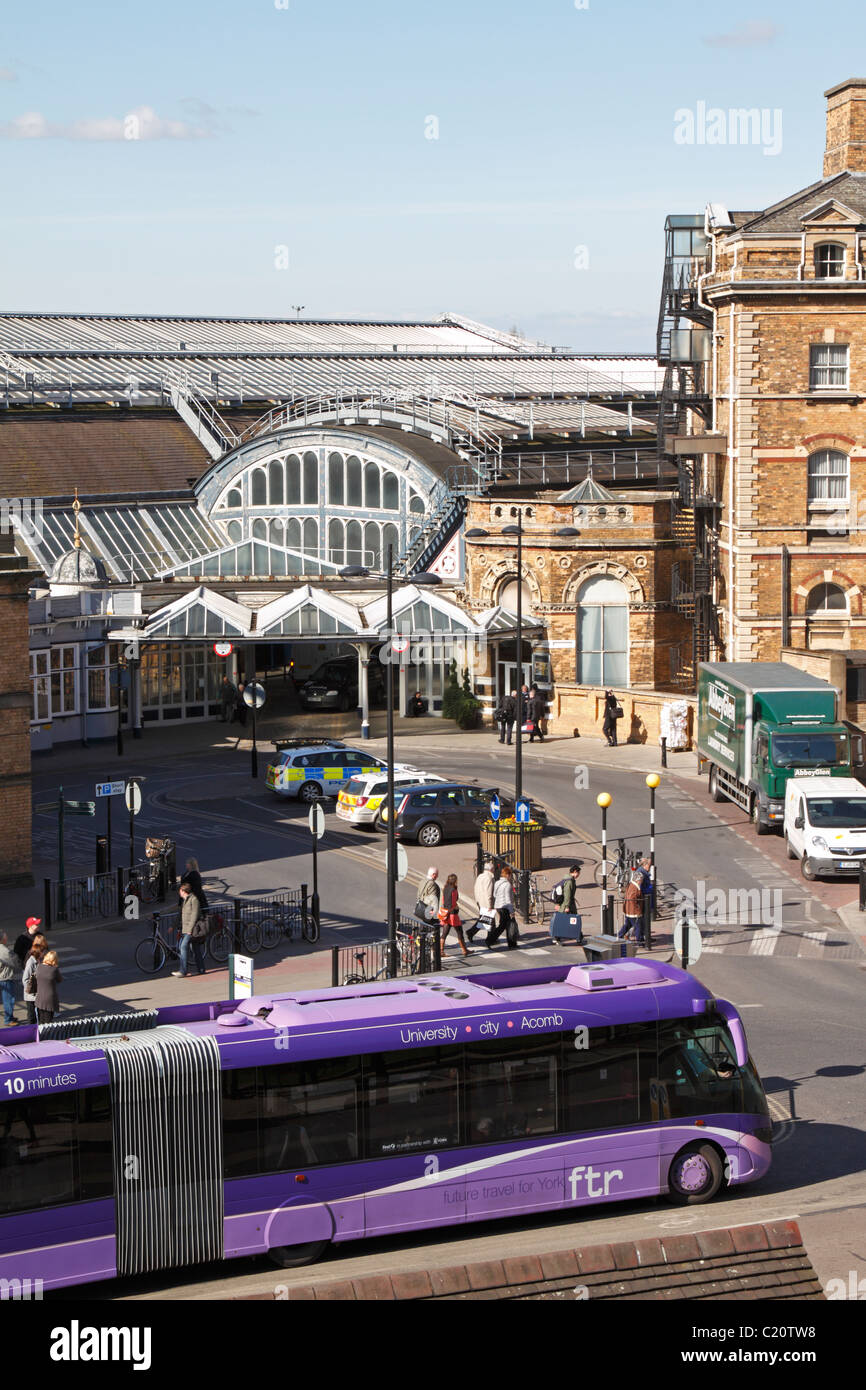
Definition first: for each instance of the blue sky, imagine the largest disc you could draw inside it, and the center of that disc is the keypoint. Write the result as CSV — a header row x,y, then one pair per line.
x,y
306,128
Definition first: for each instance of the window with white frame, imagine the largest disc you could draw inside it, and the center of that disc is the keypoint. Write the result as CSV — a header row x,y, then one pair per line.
x,y
54,678
602,632
828,365
829,260
828,478
100,660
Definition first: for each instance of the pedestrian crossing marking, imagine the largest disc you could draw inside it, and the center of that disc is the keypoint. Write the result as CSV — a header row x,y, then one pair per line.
x,y
812,944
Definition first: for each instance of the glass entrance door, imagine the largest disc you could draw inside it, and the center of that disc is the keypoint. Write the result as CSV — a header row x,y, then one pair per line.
x,y
508,680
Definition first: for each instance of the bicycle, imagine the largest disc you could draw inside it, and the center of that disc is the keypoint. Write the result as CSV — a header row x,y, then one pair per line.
x,y
224,939
619,868
538,900
145,887
362,978
415,948
287,919
83,902
153,951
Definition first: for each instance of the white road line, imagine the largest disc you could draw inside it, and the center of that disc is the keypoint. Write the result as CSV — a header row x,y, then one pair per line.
x,y
764,941
90,965
812,944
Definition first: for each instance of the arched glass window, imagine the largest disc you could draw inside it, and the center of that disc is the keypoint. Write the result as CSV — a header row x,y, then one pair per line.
x,y
602,632
311,479
336,489
260,529
828,476
354,496
508,596
354,544
373,545
372,488
829,260
416,504
336,545
827,598
391,492
258,488
293,479
235,531
275,482
390,536
293,535
234,498
311,536
276,533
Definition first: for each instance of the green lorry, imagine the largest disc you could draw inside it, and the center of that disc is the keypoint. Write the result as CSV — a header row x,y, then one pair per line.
x,y
763,722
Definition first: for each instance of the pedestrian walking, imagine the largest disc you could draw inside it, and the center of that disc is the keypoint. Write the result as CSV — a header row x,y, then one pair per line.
x,y
38,948
612,712
483,892
240,706
228,699
631,909
427,906
449,915
537,711
10,969
503,905
524,704
565,892
25,940
193,929
191,877
48,977
507,716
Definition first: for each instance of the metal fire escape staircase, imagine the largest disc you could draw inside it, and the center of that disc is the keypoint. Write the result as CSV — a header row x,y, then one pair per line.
x,y
199,415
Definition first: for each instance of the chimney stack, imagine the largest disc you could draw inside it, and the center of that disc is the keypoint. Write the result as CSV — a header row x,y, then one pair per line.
x,y
846,127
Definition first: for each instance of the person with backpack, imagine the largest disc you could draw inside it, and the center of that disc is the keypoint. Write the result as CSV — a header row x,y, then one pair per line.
x,y
507,714
565,892
632,908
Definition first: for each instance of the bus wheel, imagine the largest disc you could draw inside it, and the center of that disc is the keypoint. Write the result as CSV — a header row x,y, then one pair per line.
x,y
290,1256
695,1175
715,793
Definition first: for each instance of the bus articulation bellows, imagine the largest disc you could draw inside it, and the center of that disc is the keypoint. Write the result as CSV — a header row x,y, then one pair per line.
x,y
285,1123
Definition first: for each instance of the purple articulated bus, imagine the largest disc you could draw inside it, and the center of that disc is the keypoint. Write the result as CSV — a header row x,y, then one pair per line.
x,y
283,1124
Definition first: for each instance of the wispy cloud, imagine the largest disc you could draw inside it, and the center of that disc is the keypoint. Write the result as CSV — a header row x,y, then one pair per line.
x,y
141,124
7,75
214,119
749,35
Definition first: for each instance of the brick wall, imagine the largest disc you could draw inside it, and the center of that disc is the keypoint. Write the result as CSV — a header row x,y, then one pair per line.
x,y
15,704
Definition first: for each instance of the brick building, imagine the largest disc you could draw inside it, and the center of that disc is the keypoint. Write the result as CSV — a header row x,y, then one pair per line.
x,y
598,570
15,579
763,334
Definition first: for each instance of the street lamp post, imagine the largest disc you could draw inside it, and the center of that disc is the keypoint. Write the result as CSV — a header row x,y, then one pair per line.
x,y
479,533
604,799
424,577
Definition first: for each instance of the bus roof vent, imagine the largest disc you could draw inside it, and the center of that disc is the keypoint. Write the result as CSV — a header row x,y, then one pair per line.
x,y
619,974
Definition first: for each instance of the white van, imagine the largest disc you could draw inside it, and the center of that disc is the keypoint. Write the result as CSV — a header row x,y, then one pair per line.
x,y
825,825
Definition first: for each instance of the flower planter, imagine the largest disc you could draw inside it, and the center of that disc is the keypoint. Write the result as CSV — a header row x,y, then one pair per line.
x,y
506,842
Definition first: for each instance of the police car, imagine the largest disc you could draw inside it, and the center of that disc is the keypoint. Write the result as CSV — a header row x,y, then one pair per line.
x,y
310,768
360,800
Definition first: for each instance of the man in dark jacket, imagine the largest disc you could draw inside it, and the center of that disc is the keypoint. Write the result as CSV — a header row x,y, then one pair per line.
x,y
25,940
228,696
537,711
608,725
508,710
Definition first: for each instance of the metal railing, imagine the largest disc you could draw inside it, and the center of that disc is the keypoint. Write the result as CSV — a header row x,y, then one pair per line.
x,y
88,897
419,952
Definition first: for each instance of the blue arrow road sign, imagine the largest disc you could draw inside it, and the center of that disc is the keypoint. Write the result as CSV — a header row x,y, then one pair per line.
x,y
521,812
495,808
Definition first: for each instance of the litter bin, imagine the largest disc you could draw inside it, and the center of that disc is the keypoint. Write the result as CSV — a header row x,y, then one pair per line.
x,y
604,947
102,854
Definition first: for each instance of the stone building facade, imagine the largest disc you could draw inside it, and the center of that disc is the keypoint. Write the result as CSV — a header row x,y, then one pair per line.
x,y
598,603
769,311
15,808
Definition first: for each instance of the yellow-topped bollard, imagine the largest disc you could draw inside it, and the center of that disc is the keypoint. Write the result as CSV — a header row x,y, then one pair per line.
x,y
603,800
653,780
